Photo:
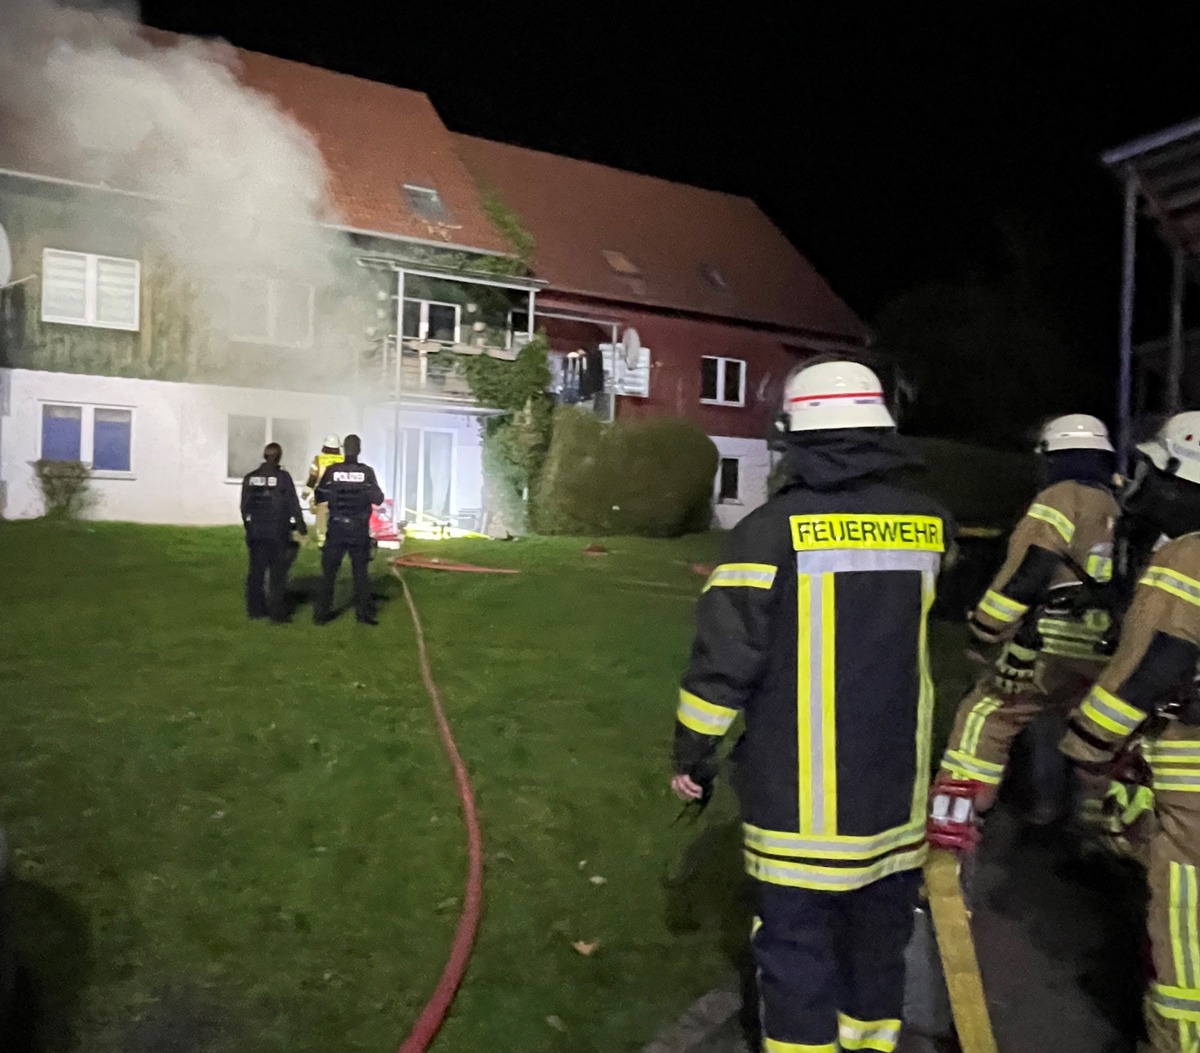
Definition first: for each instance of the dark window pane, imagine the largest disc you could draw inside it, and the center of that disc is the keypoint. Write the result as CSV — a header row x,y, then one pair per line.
x,y
247,437
62,428
733,380
442,322
708,378
728,490
111,436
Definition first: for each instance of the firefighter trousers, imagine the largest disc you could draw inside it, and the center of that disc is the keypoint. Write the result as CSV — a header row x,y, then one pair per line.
x,y
1173,1003
831,965
321,514
989,720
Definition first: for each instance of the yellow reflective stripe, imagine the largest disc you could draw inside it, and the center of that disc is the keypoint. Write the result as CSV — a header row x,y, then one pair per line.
x,y
803,677
828,709
915,533
744,575
1173,582
703,717
1172,751
968,767
976,722
1000,608
868,1034
1055,518
834,846
1176,1003
1112,714
772,1045
830,879
1099,568
755,925
925,701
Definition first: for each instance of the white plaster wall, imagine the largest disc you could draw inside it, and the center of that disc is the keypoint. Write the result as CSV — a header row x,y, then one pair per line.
x,y
754,468
179,443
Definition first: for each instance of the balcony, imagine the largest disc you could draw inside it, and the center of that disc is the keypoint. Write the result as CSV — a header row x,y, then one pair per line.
x,y
429,370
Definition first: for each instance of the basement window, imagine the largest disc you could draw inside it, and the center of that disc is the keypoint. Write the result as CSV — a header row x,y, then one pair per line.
x,y
729,490
425,202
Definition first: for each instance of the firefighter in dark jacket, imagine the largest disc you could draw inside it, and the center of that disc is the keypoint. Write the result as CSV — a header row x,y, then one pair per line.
x,y
351,491
1149,690
270,512
814,630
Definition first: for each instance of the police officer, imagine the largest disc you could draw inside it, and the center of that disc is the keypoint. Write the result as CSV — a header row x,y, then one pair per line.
x,y
329,455
814,632
1150,690
270,512
1044,606
351,491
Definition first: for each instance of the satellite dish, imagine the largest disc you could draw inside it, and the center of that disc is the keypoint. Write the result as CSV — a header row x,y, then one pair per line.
x,y
633,347
5,259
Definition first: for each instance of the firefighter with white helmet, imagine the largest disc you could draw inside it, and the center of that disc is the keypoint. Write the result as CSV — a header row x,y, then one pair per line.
x,y
813,631
1044,606
329,455
1149,691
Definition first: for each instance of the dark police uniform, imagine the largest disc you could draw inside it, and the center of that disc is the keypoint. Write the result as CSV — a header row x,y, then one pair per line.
x,y
270,511
815,631
351,490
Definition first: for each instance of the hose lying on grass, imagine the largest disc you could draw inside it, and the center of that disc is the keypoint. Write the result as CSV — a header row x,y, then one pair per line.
x,y
434,1014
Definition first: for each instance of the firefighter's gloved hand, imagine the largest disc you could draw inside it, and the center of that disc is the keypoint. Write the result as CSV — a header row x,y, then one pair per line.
x,y
1016,670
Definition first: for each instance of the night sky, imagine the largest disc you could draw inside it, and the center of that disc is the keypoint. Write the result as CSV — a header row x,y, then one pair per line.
x,y
884,145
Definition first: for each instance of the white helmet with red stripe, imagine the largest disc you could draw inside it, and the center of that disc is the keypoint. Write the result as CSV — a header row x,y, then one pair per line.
x,y
832,395
1177,448
1078,431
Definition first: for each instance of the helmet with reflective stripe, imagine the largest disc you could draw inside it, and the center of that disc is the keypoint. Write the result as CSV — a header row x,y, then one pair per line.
x,y
1077,431
1176,451
332,442
832,395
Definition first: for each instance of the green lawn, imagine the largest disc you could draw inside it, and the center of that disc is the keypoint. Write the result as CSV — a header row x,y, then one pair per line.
x,y
248,834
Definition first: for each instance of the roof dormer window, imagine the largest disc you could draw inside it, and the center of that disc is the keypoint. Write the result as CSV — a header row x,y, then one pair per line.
x,y
621,264
426,202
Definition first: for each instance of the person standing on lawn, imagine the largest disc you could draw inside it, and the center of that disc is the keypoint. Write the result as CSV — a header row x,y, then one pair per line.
x,y
270,512
814,631
351,491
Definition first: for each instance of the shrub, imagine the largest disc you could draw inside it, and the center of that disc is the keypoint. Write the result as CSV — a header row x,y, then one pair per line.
x,y
651,478
66,488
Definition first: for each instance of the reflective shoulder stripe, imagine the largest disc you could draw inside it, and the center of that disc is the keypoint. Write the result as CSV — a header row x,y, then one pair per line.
x,y
1173,582
1000,608
1110,712
745,575
703,717
868,1034
837,560
1055,518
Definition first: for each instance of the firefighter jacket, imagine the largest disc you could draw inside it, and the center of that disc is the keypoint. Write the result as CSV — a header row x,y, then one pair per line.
x,y
351,490
814,629
1154,668
1064,539
321,463
270,507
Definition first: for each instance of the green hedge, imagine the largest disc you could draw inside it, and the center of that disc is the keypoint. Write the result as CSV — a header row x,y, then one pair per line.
x,y
650,478
980,486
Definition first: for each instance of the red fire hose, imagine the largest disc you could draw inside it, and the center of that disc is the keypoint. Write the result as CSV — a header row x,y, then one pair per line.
x,y
434,1014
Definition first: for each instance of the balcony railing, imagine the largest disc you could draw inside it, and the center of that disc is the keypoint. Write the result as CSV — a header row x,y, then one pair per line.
x,y
429,370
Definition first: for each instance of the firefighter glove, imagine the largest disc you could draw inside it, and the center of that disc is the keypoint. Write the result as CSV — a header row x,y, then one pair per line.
x,y
1016,670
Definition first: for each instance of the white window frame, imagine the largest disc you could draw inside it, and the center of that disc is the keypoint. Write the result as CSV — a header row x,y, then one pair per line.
x,y
415,192
399,498
91,284
87,434
270,434
272,337
737,498
423,318
721,399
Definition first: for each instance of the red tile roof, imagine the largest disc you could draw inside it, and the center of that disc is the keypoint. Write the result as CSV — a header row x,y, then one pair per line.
x,y
375,138
580,214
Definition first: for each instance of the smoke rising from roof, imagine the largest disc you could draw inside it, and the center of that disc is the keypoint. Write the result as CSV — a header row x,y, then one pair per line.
x,y
237,187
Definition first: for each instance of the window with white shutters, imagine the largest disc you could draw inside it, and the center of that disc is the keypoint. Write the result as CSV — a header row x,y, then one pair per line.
x,y
80,288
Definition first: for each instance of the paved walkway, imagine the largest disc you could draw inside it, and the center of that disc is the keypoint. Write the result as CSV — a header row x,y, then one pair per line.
x,y
1059,946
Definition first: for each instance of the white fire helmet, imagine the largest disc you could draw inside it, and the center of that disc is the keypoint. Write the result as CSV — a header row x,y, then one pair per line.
x,y
1177,448
1076,431
833,395
332,442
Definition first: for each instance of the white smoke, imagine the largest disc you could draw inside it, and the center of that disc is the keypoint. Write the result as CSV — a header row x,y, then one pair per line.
x,y
239,187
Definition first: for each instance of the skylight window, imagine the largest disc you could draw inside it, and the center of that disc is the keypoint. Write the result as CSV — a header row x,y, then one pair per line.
x,y
622,264
426,202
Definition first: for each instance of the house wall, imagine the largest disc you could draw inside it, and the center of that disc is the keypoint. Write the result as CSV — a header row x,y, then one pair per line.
x,y
754,466
180,443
